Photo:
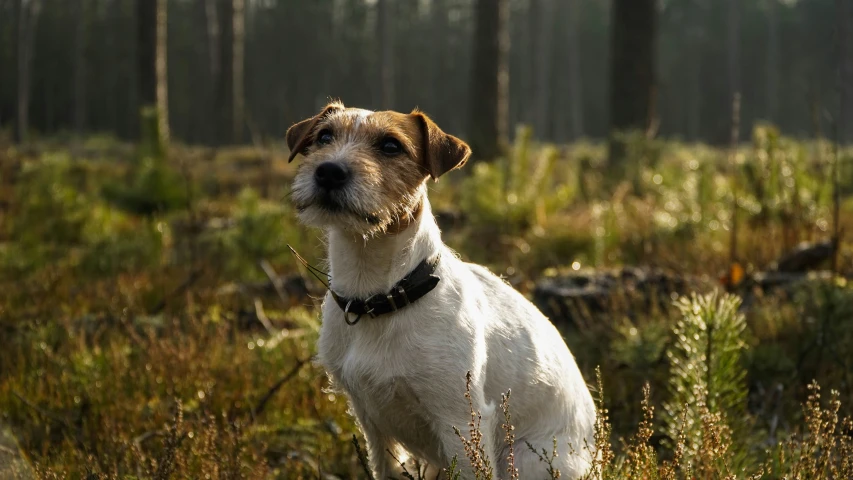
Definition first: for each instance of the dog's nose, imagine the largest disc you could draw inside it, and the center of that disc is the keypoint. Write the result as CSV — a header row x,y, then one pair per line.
x,y
331,175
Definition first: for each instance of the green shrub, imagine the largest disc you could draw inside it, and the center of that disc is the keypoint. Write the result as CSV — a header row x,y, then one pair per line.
x,y
153,187
706,369
521,190
50,216
128,248
262,231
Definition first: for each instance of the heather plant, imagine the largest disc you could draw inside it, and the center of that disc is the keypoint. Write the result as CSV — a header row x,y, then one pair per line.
x,y
823,450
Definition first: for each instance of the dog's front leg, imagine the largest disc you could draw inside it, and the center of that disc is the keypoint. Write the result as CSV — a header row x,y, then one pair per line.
x,y
453,446
378,446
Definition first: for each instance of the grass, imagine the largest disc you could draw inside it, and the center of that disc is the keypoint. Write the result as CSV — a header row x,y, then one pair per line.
x,y
139,342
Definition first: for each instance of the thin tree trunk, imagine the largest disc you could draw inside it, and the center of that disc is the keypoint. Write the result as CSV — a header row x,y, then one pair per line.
x,y
695,42
212,17
542,60
80,68
575,87
502,116
146,54
28,17
162,72
385,36
224,91
17,9
488,122
113,112
845,69
733,50
632,70
526,81
438,20
772,60
238,56
212,36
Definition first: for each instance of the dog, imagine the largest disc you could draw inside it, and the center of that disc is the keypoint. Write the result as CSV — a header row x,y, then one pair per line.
x,y
405,321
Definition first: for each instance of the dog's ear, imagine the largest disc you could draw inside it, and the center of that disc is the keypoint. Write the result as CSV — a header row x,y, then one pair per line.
x,y
440,151
299,135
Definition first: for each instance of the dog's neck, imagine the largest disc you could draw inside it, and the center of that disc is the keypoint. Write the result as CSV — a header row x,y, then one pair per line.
x,y
362,267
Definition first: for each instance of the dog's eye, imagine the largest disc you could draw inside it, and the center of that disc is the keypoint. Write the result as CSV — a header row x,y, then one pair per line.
x,y
390,146
325,137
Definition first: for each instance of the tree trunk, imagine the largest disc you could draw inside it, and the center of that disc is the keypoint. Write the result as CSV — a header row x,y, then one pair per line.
x,y
146,55
695,41
224,90
733,50
845,70
632,69
118,93
772,60
542,71
525,80
80,68
439,52
238,56
385,37
575,87
489,94
212,17
212,39
17,7
27,18
162,72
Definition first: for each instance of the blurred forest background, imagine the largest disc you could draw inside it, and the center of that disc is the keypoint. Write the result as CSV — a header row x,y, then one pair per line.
x,y
670,181
234,69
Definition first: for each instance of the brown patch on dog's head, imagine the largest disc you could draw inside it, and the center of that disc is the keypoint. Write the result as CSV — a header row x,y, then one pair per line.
x,y
387,157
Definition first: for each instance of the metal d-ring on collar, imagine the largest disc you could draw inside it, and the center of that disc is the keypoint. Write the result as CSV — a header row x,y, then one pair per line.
x,y
358,316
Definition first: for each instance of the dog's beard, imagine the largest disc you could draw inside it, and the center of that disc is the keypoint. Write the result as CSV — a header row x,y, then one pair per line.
x,y
352,209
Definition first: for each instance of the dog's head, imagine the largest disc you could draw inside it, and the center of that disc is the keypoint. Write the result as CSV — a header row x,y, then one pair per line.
x,y
365,171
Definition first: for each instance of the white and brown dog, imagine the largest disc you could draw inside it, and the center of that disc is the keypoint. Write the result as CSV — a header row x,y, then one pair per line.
x,y
405,320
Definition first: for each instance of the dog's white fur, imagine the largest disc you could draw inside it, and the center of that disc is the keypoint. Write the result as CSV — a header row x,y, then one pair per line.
x,y
404,373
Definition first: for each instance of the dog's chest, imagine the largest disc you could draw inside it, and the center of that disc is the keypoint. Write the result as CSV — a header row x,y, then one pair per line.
x,y
371,366
379,374
395,407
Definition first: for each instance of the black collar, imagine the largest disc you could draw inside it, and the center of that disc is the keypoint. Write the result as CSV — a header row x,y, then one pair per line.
x,y
413,286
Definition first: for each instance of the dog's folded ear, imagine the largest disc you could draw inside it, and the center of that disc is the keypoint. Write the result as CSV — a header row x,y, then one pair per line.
x,y
300,135
440,151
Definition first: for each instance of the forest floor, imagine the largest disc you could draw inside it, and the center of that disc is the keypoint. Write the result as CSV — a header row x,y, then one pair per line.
x,y
154,324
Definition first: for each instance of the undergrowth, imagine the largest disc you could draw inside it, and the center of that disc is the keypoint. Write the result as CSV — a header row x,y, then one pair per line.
x,y
153,324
